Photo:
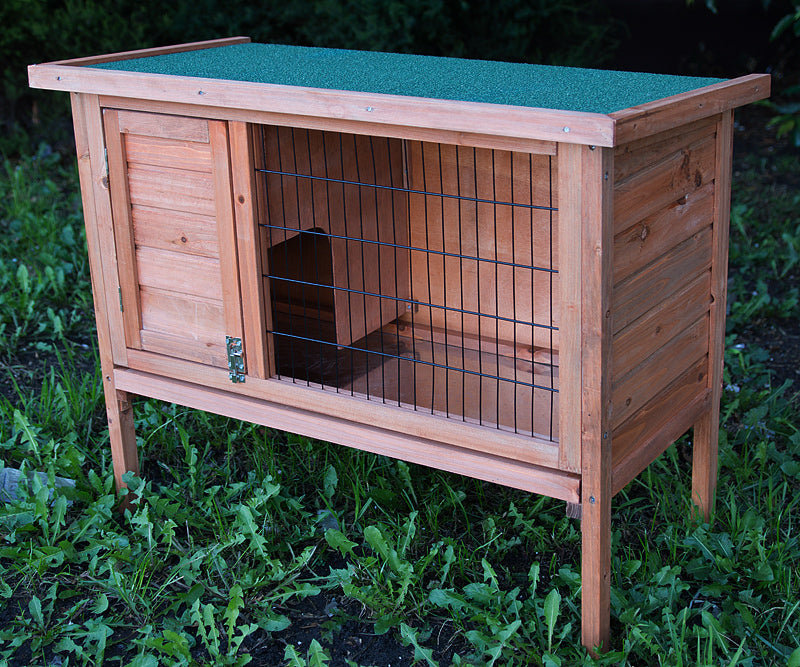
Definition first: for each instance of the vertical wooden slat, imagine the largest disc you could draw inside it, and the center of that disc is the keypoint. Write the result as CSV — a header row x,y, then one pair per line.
x,y
593,168
247,238
229,265
706,430
570,274
123,228
99,237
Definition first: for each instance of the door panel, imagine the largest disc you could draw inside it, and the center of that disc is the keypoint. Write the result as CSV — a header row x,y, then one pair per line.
x,y
172,204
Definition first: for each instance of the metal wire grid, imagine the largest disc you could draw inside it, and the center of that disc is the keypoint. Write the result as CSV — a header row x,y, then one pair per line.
x,y
365,301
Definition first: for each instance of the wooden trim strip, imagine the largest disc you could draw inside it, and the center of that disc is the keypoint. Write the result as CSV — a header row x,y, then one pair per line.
x,y
480,465
145,53
474,117
524,448
471,139
646,119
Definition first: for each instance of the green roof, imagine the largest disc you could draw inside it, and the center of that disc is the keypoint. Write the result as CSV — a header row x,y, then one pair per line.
x,y
543,86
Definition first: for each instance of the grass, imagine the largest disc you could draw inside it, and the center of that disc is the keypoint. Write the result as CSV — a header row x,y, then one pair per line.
x,y
251,546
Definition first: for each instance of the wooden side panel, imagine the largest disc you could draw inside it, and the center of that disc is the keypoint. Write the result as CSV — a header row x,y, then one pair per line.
x,y
173,219
314,188
476,256
665,192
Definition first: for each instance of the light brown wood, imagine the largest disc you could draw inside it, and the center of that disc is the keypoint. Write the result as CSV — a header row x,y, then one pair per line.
x,y
88,142
164,126
635,295
597,201
652,237
209,351
160,152
642,338
249,252
174,189
630,392
176,231
488,247
373,438
223,204
194,275
643,437
327,402
261,117
123,230
153,51
646,119
640,154
706,429
449,115
181,314
680,174
570,228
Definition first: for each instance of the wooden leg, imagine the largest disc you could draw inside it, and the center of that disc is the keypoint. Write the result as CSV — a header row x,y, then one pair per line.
x,y
704,462
596,572
121,433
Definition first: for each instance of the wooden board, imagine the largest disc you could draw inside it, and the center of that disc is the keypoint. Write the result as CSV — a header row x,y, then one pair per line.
x,y
173,223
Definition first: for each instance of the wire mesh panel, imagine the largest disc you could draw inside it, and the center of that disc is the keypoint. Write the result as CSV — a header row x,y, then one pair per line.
x,y
413,273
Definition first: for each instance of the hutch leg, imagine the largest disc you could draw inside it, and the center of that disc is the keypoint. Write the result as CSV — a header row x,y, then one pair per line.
x,y
121,432
90,147
596,571
706,430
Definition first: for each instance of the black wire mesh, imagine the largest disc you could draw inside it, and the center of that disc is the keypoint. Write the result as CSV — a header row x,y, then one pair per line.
x,y
413,273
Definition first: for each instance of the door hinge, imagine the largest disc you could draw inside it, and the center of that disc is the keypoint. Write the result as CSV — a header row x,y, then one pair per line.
x,y
121,309
235,359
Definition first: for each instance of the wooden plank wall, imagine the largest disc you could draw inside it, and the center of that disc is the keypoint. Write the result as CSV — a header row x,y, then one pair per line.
x,y
663,212
481,240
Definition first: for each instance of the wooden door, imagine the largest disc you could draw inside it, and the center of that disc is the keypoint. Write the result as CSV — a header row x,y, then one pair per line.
x,y
170,181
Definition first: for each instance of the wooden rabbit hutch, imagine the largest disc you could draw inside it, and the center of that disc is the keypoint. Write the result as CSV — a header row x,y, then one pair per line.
x,y
513,272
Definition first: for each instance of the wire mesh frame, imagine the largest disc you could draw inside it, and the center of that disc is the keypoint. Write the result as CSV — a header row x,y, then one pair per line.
x,y
374,251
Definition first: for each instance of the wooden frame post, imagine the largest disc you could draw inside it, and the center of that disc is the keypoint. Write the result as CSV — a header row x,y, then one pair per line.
x,y
586,215
93,172
706,429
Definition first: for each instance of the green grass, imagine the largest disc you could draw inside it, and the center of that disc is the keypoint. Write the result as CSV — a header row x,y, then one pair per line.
x,y
240,529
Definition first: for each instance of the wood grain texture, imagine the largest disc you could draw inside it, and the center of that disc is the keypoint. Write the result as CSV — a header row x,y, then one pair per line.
x,y
99,236
123,229
631,391
327,402
476,256
665,417
666,319
596,205
570,227
373,438
177,272
174,128
655,235
706,430
664,182
635,295
160,152
260,364
173,189
646,119
261,117
178,231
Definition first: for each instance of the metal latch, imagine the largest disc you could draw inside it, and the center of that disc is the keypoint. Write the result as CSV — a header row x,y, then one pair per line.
x,y
235,359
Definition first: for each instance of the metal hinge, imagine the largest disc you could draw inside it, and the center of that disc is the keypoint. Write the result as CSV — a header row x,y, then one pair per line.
x,y
235,360
121,309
